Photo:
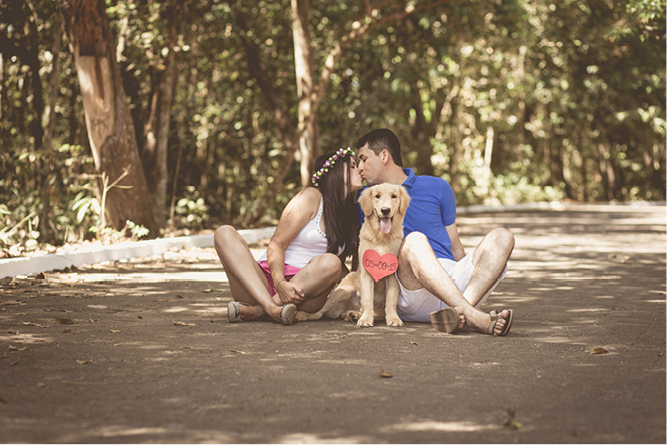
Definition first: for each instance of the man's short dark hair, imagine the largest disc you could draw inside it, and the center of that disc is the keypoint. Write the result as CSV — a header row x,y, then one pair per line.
x,y
383,139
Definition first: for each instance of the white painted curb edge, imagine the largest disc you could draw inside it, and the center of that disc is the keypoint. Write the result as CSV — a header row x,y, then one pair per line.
x,y
31,265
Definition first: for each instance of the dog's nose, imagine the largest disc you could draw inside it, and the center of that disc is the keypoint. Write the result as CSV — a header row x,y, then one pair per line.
x,y
385,210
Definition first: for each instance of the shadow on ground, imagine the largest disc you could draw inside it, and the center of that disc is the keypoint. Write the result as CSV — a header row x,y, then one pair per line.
x,y
140,351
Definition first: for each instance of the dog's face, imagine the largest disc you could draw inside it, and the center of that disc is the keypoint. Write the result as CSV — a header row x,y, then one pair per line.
x,y
384,202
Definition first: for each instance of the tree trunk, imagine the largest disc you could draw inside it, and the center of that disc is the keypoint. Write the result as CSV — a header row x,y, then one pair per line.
x,y
32,60
606,171
157,133
46,234
2,83
421,132
53,83
110,127
43,164
303,61
558,167
455,145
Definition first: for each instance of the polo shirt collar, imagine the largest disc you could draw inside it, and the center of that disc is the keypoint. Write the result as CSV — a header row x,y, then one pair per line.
x,y
411,177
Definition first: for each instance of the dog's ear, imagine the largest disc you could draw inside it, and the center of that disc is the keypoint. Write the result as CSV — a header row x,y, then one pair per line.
x,y
405,200
365,201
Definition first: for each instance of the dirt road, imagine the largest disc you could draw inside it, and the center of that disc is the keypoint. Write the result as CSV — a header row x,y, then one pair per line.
x,y
140,351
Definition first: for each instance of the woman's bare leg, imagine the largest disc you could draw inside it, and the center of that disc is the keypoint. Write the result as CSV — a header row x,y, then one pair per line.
x,y
317,279
247,281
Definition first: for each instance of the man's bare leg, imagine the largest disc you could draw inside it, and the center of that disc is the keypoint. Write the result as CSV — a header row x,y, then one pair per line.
x,y
419,268
489,259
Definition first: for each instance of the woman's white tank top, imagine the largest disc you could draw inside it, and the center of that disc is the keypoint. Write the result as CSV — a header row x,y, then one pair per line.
x,y
308,244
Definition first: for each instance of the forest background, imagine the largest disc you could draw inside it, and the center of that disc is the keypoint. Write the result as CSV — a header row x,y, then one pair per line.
x,y
148,118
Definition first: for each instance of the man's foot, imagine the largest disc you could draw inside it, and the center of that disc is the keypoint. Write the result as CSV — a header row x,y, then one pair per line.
x,y
462,318
448,320
504,322
494,323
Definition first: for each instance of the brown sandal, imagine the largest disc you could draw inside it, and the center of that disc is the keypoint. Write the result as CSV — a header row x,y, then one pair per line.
x,y
445,320
495,316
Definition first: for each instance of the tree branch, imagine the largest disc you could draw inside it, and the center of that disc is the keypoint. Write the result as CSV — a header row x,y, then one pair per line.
x,y
359,29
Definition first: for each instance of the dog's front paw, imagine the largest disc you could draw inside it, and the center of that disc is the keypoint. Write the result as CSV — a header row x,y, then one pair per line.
x,y
352,316
365,320
395,321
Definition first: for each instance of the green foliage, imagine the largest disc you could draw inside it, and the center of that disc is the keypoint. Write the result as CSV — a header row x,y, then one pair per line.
x,y
109,235
511,101
192,212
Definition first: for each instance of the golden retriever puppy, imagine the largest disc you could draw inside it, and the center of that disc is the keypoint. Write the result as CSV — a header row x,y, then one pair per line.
x,y
373,289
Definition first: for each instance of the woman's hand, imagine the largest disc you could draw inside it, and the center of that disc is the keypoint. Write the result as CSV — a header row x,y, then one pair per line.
x,y
290,293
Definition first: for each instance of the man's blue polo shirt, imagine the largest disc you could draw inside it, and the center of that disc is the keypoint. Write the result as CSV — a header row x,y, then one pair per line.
x,y
432,208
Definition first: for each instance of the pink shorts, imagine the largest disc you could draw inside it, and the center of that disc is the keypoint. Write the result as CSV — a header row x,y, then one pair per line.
x,y
290,271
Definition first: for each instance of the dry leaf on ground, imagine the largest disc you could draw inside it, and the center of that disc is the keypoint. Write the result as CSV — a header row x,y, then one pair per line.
x,y
29,323
596,351
512,423
11,302
384,375
238,352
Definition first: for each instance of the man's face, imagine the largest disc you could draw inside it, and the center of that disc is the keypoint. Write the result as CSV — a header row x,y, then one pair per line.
x,y
369,165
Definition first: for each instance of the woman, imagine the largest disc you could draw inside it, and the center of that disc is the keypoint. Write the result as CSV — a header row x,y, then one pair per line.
x,y
317,231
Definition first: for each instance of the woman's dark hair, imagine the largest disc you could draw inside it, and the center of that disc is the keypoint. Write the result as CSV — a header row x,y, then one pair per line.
x,y
383,139
341,220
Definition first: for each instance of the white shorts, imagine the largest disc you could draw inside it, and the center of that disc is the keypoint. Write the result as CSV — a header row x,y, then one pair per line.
x,y
416,305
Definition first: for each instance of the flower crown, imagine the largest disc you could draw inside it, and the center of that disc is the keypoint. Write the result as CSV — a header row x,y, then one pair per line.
x,y
341,153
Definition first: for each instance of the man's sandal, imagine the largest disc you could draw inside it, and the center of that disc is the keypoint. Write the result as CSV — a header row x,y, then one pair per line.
x,y
495,316
445,320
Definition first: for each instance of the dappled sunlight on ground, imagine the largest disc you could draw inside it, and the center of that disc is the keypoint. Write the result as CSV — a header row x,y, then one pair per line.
x,y
143,352
435,426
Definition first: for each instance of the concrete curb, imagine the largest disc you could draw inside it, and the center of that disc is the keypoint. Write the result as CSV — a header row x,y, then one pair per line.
x,y
31,265
25,266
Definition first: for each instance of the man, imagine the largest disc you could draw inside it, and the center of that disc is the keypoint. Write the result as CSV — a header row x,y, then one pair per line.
x,y
434,272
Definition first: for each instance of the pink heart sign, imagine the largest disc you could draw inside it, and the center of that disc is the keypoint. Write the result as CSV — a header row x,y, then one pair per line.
x,y
379,266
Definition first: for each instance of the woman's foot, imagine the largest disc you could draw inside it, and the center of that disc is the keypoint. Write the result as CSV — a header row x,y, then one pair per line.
x,y
288,314
283,314
239,311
